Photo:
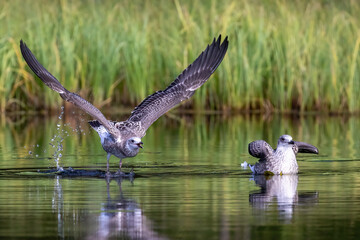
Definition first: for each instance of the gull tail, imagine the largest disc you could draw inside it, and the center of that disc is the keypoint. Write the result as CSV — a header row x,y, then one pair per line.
x,y
94,124
100,129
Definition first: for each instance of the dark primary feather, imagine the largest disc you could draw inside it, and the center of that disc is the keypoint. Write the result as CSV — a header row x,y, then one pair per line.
x,y
39,70
303,147
184,86
55,85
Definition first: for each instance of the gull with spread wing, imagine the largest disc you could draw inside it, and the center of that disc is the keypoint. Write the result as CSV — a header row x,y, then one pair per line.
x,y
123,139
280,161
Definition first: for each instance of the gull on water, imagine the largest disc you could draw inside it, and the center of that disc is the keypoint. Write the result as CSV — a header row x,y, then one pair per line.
x,y
123,139
280,161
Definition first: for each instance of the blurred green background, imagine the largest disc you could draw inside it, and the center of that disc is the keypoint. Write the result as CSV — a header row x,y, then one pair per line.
x,y
283,56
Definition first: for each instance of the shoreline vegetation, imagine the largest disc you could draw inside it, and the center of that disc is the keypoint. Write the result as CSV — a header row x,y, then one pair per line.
x,y
283,56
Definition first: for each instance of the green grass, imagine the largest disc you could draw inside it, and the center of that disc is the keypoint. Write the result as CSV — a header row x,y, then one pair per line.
x,y
283,55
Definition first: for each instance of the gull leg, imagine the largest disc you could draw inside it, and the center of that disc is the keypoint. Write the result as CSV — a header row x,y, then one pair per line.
x,y
108,174
119,172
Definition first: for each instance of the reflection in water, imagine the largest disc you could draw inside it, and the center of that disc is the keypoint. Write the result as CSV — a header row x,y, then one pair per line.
x,y
119,217
280,192
123,217
173,199
58,206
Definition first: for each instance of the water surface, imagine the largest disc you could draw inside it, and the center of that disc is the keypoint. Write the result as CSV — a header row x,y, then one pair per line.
x,y
188,183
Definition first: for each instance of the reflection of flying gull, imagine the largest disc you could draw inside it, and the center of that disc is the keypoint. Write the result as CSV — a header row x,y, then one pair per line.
x,y
122,218
123,139
282,160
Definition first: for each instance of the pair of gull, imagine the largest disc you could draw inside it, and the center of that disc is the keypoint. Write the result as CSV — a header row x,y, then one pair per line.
x,y
123,139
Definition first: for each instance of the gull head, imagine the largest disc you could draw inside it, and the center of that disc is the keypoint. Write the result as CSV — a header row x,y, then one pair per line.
x,y
134,143
285,141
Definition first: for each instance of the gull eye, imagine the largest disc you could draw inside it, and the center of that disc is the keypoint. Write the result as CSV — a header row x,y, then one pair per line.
x,y
132,140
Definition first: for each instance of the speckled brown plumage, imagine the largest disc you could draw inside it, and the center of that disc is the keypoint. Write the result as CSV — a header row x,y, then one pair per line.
x,y
123,139
280,161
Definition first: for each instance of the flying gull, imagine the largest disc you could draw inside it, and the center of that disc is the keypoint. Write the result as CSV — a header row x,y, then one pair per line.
x,y
123,139
280,161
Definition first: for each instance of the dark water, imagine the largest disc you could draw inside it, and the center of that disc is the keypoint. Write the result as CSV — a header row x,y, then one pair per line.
x,y
188,184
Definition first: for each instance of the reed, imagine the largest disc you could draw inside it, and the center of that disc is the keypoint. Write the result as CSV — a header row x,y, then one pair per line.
x,y
283,55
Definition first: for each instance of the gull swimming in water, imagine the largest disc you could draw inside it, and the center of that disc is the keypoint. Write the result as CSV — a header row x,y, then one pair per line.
x,y
123,139
280,161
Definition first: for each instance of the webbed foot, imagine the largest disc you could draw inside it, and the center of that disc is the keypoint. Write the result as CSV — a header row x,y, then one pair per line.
x,y
119,173
108,174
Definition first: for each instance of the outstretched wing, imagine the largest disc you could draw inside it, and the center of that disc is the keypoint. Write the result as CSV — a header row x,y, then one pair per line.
x,y
184,86
260,149
55,85
302,147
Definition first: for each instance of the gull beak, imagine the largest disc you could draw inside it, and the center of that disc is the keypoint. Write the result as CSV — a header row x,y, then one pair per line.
x,y
306,148
139,144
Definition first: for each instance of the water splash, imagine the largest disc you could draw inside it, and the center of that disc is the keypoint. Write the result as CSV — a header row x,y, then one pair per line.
x,y
56,142
57,205
33,150
58,139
